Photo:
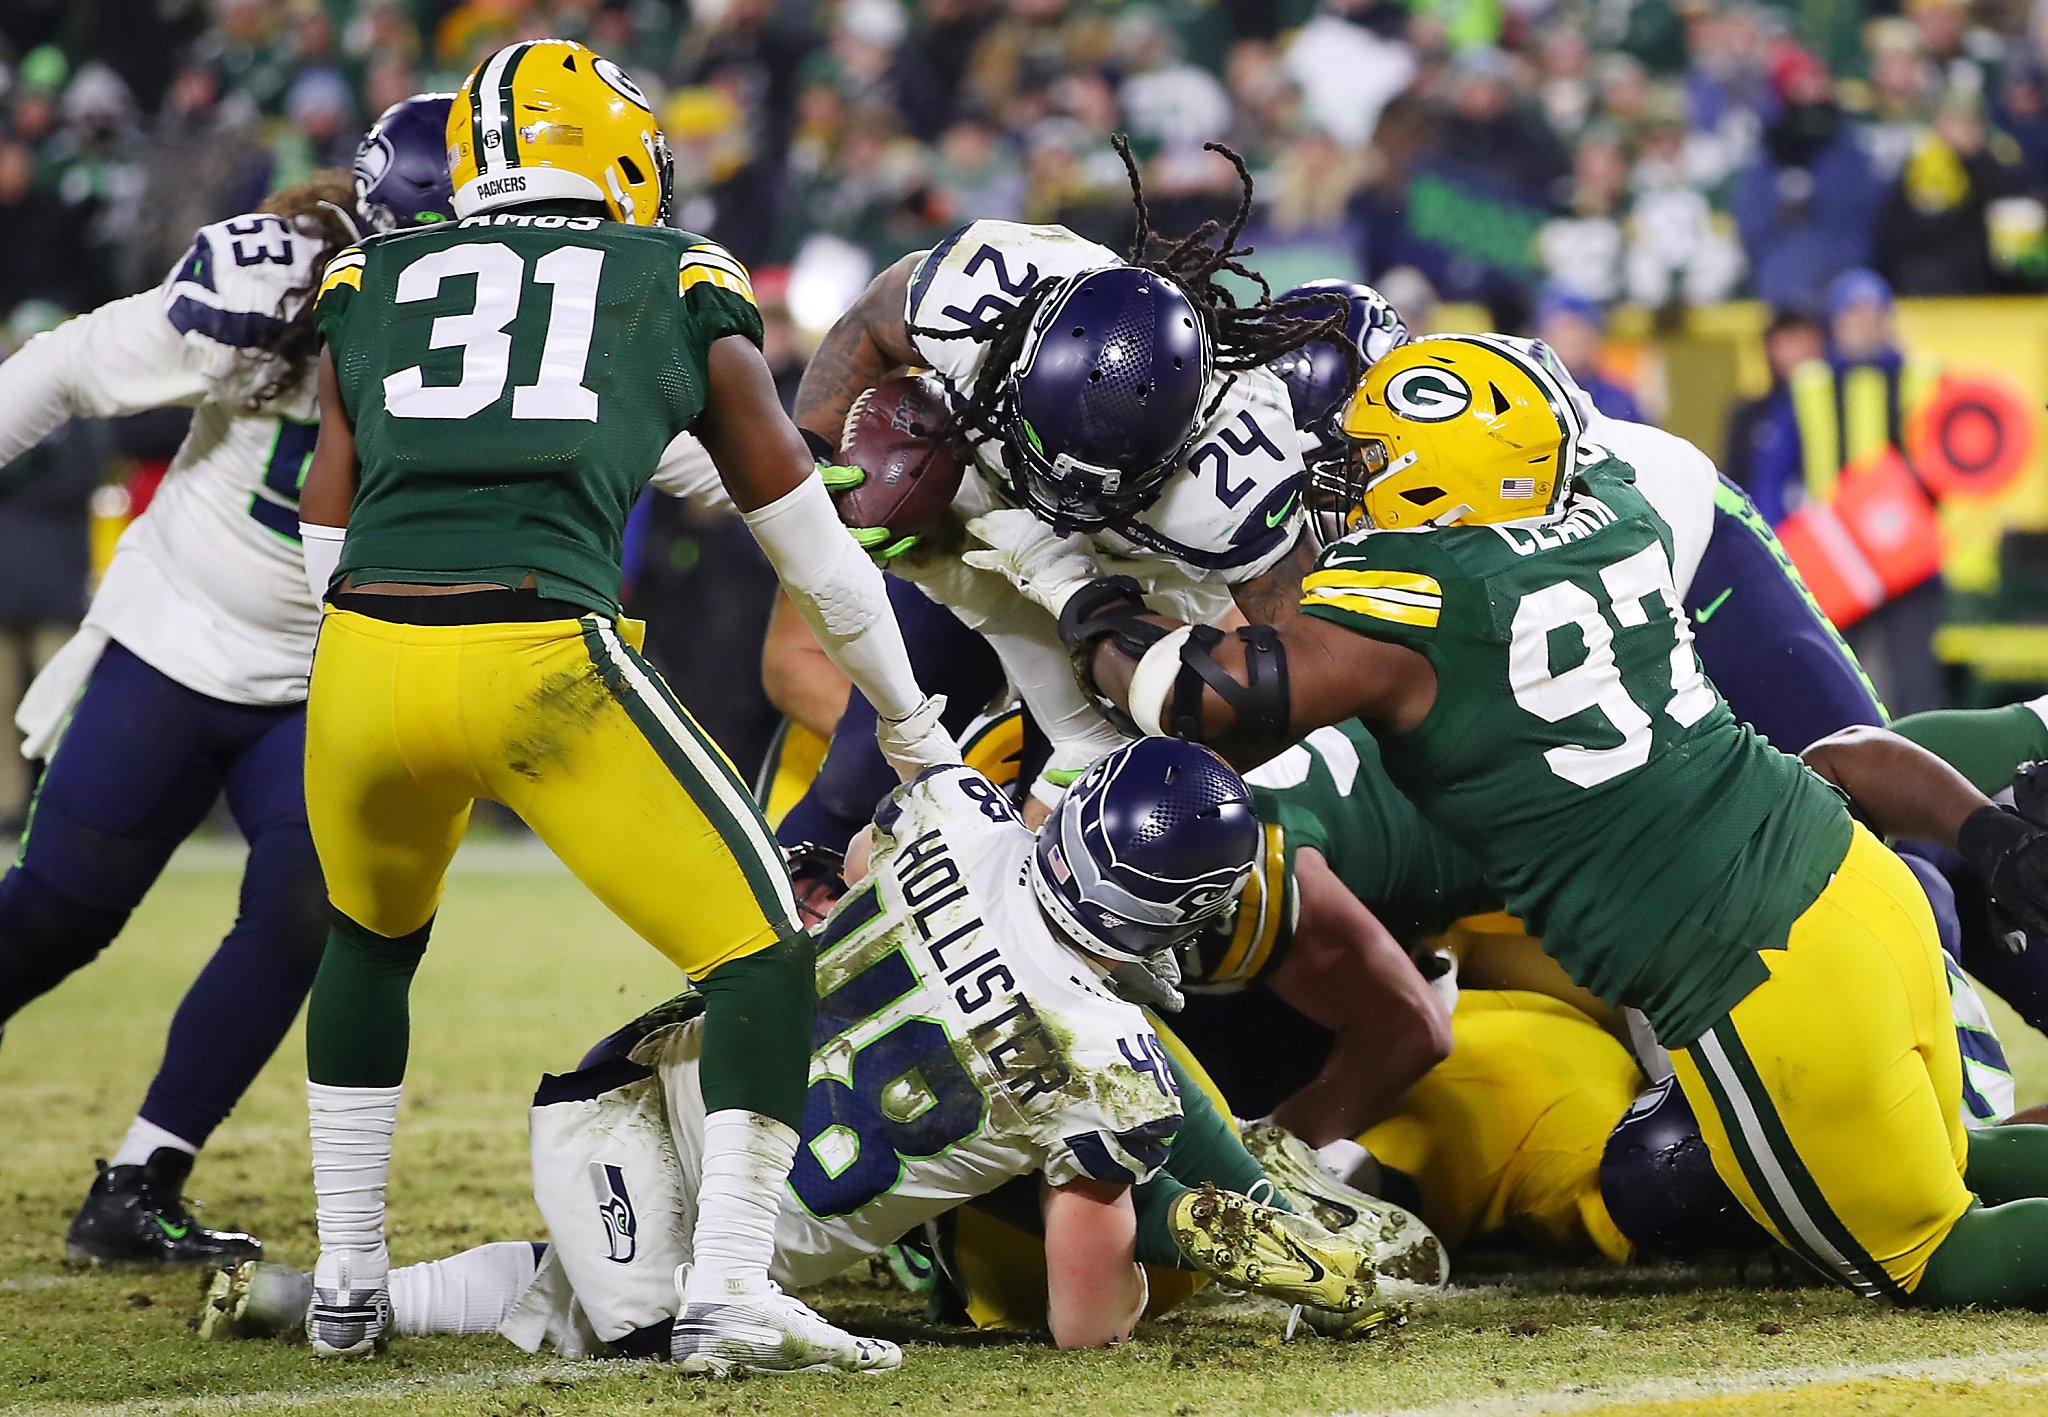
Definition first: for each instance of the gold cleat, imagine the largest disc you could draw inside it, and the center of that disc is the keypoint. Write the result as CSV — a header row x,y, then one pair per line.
x,y
1403,1249
1234,1239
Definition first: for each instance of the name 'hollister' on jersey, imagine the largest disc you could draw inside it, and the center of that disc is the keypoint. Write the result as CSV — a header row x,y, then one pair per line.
x,y
1006,1028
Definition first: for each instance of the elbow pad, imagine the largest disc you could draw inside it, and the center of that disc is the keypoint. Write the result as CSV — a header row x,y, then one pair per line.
x,y
1259,702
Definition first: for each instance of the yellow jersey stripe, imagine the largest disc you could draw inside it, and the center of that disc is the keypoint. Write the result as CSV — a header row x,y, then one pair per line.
x,y
1377,607
1359,579
338,274
713,275
1257,927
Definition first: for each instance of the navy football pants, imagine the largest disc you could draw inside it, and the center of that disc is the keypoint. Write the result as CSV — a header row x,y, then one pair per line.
x,y
140,765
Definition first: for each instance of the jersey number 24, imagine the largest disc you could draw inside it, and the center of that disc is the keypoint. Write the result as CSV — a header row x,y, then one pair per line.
x,y
1637,589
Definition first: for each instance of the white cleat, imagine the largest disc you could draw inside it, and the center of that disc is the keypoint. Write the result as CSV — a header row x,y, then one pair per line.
x,y
256,1299
1406,1253
770,1332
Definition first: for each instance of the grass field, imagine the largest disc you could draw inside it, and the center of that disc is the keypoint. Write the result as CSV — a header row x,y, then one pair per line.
x,y
527,971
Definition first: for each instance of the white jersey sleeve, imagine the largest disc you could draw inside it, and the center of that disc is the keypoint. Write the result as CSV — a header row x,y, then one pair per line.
x,y
978,273
687,473
1675,478
121,358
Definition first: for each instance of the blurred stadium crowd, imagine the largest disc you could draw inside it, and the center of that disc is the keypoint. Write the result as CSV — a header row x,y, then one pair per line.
x,y
1537,157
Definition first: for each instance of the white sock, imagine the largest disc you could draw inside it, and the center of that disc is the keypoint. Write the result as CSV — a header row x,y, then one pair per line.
x,y
746,1162
466,1293
351,1129
143,1139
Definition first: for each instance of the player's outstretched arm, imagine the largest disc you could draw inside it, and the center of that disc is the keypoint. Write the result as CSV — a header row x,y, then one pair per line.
x,y
330,486
772,479
1094,1290
124,357
1904,791
869,342
1344,971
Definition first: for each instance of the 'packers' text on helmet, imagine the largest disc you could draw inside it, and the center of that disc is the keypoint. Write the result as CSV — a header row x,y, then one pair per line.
x,y
1453,430
548,120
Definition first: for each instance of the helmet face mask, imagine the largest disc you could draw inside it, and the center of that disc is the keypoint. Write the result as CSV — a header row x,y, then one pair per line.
x,y
1321,375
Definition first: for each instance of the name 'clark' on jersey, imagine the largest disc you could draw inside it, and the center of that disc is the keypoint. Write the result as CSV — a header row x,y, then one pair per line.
x,y
958,1043
1576,750
207,585
1224,517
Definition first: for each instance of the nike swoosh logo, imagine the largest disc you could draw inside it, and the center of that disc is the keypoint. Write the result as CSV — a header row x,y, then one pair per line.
x,y
1315,1271
1706,612
1286,510
176,1232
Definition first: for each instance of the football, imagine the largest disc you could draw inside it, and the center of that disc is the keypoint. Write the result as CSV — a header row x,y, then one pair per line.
x,y
896,434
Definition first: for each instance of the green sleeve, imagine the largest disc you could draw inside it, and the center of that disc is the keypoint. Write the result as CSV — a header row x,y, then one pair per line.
x,y
339,286
1386,586
717,295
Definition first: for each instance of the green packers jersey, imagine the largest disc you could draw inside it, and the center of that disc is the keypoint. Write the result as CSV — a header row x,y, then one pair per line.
x,y
1331,792
513,379
1576,751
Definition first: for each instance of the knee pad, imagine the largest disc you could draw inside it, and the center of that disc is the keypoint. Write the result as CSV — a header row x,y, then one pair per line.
x,y
44,936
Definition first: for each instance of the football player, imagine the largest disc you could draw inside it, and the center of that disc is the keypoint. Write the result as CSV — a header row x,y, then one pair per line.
x,y
967,1040
1120,395
493,396
188,680
1512,624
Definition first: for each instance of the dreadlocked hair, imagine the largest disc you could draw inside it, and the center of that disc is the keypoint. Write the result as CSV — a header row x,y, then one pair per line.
x,y
322,206
1243,336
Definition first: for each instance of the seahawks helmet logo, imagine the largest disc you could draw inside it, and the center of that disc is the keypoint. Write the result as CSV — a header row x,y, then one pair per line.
x,y
613,75
1428,395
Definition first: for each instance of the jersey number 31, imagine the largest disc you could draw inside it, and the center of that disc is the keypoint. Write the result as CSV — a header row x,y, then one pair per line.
x,y
1638,587
558,390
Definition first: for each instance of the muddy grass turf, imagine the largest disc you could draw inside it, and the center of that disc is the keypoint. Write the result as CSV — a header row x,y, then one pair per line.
x,y
526,971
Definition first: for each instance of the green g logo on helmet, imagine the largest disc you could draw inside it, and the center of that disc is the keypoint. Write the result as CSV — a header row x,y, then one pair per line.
x,y
1427,395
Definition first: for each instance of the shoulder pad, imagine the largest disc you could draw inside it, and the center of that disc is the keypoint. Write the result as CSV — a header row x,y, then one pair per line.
x,y
234,285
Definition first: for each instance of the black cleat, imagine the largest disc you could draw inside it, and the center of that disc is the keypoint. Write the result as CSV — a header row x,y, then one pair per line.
x,y
137,1215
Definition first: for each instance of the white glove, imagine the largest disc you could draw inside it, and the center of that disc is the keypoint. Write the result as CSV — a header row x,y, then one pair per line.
x,y
1151,983
1045,567
917,740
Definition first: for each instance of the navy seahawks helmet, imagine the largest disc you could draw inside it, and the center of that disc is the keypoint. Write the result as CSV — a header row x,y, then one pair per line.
x,y
1152,843
1105,397
1320,378
401,167
1660,1187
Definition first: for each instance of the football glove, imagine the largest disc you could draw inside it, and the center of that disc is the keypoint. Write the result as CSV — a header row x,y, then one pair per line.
x,y
2011,854
1045,567
1150,983
882,544
918,740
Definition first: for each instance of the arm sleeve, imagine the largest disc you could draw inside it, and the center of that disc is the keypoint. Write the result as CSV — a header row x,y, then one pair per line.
x,y
121,358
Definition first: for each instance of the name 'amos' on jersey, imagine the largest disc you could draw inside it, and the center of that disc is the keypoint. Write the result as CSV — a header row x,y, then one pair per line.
x,y
1225,517
958,1044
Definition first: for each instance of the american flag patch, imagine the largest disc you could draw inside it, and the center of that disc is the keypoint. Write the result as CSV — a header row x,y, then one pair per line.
x,y
1517,489
1060,870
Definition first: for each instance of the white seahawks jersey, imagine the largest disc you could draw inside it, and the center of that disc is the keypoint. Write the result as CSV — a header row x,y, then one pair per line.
x,y
1675,478
1229,512
959,1044
207,585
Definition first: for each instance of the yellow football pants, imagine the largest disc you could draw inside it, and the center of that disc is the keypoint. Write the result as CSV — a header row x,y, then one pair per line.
x,y
1831,1096
1505,1135
566,724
